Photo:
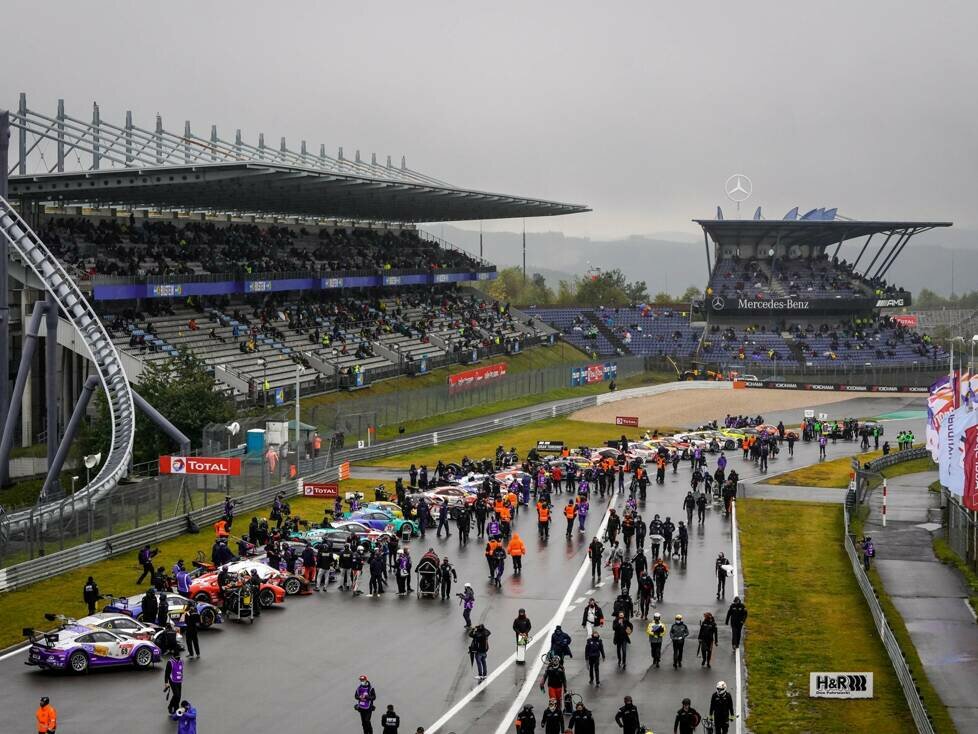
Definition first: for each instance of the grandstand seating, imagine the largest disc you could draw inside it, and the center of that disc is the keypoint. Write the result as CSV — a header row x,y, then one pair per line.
x,y
161,248
816,278
882,342
757,343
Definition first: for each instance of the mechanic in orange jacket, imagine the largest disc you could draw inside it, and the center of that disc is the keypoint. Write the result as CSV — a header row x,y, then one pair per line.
x,y
47,717
543,520
570,512
516,550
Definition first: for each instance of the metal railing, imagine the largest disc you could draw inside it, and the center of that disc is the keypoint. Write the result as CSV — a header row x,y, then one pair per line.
x,y
959,529
917,709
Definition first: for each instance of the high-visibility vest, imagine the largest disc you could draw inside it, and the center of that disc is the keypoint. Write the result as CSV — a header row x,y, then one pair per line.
x,y
543,513
569,512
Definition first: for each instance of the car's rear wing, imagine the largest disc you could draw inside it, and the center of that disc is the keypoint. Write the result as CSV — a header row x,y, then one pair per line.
x,y
45,639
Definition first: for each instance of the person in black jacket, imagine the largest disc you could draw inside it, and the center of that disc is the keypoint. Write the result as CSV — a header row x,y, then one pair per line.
x,y
522,624
90,594
627,717
707,638
145,558
192,622
390,720
581,721
162,610
594,654
622,629
526,720
736,617
149,607
592,617
721,708
553,718
479,648
595,551
687,719
446,575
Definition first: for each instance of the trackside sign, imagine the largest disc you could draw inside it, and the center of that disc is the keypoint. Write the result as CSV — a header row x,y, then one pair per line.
x,y
220,465
840,685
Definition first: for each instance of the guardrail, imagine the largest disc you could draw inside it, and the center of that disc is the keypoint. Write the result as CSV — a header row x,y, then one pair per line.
x,y
38,569
916,704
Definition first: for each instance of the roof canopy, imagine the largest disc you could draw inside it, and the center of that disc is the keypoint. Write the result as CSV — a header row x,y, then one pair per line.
x,y
262,187
815,233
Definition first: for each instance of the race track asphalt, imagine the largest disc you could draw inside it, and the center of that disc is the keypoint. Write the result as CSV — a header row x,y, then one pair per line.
x,y
296,668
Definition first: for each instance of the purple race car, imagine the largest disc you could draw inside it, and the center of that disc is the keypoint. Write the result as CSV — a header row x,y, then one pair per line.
x,y
76,648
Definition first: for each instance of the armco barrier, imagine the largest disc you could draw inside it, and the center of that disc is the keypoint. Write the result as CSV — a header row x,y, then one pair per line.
x,y
29,572
915,703
38,569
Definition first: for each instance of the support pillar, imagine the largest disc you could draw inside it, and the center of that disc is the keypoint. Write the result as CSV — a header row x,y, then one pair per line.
x,y
4,292
51,393
56,463
13,413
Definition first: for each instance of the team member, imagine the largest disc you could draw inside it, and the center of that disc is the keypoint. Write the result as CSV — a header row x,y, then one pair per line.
x,y
90,594
721,573
660,573
173,681
526,721
467,600
552,718
622,629
365,696
656,632
677,635
390,720
186,718
593,616
556,681
516,550
594,654
570,512
627,717
560,643
192,621
479,648
707,638
595,551
324,562
46,716
581,721
736,617
446,574
721,708
543,520
687,719
522,624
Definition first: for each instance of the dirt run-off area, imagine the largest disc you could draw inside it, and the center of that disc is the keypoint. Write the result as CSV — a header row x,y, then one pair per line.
x,y
686,408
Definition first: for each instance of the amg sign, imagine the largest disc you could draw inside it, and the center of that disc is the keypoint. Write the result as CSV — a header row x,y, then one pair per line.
x,y
840,685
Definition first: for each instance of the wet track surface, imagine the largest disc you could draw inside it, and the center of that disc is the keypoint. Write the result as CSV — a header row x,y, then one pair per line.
x,y
296,668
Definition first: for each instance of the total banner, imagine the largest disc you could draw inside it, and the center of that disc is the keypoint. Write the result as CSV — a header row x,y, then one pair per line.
x,y
220,465
322,490
476,376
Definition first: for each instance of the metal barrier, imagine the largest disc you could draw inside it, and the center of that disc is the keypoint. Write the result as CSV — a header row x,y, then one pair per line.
x,y
916,704
959,529
38,569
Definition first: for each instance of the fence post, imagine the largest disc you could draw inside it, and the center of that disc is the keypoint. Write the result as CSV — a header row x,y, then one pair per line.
x,y
159,500
91,520
61,526
108,505
135,514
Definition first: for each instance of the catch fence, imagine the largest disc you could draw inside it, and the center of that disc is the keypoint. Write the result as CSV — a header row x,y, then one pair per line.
x,y
961,529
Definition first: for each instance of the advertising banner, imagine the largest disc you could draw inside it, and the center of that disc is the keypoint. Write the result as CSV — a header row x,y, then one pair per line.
x,y
322,490
220,465
626,420
828,387
840,685
800,304
594,373
476,376
970,459
550,447
906,319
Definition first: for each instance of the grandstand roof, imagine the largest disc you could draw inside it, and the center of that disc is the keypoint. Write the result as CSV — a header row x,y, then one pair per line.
x,y
803,232
263,187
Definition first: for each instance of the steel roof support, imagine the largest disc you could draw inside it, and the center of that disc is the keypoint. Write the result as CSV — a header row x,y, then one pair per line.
x,y
4,293
879,252
865,245
904,235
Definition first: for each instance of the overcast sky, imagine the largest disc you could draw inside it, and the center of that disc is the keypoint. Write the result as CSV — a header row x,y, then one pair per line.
x,y
640,110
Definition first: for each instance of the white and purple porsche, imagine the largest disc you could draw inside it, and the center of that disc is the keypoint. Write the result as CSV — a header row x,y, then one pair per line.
x,y
77,648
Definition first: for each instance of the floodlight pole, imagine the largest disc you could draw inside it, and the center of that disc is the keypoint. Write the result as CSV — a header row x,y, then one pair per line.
x,y
524,250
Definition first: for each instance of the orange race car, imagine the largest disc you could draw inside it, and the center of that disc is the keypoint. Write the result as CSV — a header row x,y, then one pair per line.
x,y
205,588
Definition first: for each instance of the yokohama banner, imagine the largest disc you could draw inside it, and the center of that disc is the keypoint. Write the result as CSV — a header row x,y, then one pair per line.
x,y
829,387
477,376
220,465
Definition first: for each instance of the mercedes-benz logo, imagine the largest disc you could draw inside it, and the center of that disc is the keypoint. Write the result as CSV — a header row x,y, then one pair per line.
x,y
718,303
738,188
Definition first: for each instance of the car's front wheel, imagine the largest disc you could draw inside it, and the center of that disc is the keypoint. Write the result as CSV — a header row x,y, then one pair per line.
x,y
78,662
143,657
202,596
207,618
266,597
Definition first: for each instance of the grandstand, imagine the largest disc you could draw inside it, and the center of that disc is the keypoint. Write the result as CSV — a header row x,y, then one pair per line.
x,y
134,244
777,298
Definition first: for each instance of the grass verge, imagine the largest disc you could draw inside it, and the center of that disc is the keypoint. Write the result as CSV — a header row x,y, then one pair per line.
x,y
572,433
834,473
946,555
117,575
486,409
808,614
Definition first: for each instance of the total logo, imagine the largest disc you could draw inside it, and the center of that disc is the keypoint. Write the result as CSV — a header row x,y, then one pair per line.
x,y
200,465
178,465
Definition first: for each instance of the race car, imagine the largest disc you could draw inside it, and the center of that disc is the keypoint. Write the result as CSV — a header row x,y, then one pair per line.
x,y
132,606
77,648
362,534
453,496
205,589
125,626
290,583
382,520
391,508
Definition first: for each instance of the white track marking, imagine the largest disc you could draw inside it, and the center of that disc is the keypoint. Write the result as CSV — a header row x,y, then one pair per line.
x,y
18,651
531,676
739,720
579,599
570,609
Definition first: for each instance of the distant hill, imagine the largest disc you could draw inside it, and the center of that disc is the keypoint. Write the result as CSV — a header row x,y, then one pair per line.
x,y
672,261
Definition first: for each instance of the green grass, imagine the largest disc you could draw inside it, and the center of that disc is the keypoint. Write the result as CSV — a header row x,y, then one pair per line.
x,y
533,359
24,492
808,614
935,486
572,433
834,473
946,555
34,451
480,411
63,594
